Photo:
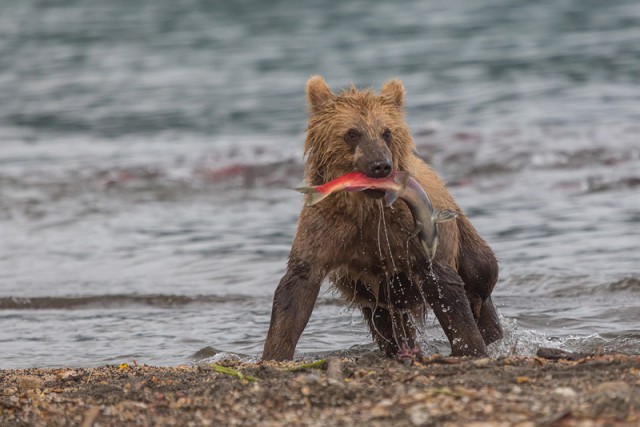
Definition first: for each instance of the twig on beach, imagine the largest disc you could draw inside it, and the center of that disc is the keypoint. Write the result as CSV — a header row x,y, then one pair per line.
x,y
228,371
90,374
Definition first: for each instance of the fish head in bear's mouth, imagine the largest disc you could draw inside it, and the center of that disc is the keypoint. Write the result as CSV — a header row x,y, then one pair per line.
x,y
380,168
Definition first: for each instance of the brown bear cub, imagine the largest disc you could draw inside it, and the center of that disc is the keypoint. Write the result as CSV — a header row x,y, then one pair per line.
x,y
369,251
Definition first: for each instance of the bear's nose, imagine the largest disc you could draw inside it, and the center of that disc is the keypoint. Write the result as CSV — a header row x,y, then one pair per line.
x,y
380,169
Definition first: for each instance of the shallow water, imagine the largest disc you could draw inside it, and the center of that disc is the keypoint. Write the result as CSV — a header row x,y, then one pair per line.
x,y
146,150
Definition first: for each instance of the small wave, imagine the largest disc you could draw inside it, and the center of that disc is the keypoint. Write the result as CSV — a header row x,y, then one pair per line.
x,y
508,161
628,284
479,152
621,286
237,173
117,301
37,179
596,184
135,300
94,190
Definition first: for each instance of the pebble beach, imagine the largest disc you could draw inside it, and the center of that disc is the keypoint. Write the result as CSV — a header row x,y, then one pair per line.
x,y
591,391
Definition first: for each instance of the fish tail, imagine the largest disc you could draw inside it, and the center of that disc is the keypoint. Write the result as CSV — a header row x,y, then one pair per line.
x,y
313,195
440,216
303,189
302,186
430,251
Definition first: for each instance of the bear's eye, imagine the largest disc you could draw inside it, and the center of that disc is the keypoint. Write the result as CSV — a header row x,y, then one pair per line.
x,y
386,135
352,135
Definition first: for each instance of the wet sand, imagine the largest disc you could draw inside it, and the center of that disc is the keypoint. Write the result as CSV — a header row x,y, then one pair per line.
x,y
590,391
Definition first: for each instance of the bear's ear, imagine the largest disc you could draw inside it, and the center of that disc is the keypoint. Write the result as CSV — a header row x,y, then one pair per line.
x,y
393,90
318,93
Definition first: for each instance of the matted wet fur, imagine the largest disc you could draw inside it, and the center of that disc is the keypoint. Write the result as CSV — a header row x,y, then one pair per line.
x,y
368,251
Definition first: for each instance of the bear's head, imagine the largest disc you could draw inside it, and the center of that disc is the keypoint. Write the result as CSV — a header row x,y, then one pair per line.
x,y
355,130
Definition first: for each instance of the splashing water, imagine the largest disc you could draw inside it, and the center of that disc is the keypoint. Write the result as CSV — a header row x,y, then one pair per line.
x,y
525,342
517,341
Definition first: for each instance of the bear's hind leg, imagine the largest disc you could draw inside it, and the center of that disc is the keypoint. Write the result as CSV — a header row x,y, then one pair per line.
x,y
489,323
478,268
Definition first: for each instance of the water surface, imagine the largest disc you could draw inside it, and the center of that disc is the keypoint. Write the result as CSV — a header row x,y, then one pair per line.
x,y
146,149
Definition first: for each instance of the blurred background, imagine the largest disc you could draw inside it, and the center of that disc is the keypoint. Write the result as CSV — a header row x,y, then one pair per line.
x,y
146,148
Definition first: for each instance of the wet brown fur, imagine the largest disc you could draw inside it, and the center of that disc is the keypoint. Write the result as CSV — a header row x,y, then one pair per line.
x,y
368,251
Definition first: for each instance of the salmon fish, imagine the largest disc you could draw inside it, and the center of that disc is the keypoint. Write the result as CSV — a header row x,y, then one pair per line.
x,y
397,185
425,217
353,181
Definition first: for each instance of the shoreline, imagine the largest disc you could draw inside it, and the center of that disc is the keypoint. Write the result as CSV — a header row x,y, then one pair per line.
x,y
523,391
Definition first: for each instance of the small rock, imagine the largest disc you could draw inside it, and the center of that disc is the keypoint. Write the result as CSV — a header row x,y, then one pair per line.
x,y
9,391
558,354
418,414
564,391
29,382
64,375
616,389
129,405
482,362
380,411
310,378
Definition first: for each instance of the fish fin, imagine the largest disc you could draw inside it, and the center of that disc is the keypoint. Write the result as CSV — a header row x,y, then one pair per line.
x,y
440,216
390,197
314,196
417,230
402,177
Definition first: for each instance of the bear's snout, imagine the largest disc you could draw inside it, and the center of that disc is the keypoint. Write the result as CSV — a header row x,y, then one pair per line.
x,y
379,169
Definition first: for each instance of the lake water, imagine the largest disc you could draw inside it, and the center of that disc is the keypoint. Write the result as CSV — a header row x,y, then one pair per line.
x,y
146,149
